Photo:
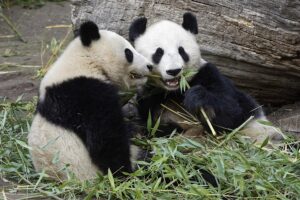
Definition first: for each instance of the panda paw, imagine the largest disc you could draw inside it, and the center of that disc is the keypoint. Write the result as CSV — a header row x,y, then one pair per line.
x,y
195,98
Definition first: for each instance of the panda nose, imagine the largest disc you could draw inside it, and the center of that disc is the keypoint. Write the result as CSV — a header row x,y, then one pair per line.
x,y
173,72
150,67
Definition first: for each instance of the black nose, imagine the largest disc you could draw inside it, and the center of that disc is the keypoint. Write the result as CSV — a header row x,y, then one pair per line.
x,y
173,72
150,67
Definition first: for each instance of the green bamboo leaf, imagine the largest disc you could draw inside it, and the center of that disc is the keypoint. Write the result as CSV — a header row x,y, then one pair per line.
x,y
155,128
194,143
111,179
23,144
156,185
149,122
265,122
201,191
220,167
259,187
265,142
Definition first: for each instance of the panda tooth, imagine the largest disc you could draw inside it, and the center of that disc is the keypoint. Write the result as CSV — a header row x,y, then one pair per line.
x,y
173,82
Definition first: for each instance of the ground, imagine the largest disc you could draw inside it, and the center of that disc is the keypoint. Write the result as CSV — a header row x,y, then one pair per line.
x,y
20,60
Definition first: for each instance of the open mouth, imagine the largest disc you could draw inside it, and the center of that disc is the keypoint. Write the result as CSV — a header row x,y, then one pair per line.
x,y
134,75
172,83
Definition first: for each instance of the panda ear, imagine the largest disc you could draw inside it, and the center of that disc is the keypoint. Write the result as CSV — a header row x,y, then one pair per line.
x,y
190,23
88,32
137,28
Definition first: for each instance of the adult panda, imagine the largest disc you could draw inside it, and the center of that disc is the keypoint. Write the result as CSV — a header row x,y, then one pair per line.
x,y
173,49
79,126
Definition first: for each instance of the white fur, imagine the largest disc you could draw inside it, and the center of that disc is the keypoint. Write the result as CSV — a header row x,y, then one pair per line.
x,y
134,155
169,36
257,131
50,142
107,54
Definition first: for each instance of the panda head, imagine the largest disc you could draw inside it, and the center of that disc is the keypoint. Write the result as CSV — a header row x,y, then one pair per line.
x,y
171,47
112,55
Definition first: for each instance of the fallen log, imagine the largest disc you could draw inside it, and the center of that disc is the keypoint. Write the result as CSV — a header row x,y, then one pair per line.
x,y
256,43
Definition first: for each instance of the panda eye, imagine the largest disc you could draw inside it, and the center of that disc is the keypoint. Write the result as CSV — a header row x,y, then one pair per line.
x,y
156,57
183,54
128,55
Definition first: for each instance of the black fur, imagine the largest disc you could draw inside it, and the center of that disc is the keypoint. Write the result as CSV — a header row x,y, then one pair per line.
x,y
129,55
156,57
208,177
183,54
88,32
137,28
150,67
90,108
210,90
190,23
150,100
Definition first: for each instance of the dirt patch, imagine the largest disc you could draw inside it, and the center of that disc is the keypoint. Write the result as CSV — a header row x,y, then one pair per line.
x,y
12,85
19,61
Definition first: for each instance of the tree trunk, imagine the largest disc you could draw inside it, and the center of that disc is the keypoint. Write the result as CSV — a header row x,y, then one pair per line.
x,y
256,43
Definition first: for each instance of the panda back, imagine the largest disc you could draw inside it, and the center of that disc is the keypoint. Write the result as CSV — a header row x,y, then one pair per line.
x,y
82,103
89,109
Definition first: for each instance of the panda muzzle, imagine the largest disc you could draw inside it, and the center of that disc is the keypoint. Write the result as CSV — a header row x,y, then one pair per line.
x,y
135,75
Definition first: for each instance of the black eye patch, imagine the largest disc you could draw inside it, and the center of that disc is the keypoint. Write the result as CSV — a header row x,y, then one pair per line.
x,y
129,55
156,57
183,54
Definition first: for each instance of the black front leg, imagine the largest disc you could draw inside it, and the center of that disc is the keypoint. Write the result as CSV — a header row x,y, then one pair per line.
x,y
198,97
110,152
223,111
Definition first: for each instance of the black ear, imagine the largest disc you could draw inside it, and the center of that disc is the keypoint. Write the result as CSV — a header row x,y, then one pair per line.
x,y
190,23
137,28
88,32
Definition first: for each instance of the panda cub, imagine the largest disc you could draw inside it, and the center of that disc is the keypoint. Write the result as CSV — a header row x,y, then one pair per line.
x,y
78,121
173,49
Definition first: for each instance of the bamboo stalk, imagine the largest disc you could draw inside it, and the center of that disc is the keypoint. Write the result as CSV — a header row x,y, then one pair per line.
x,y
188,113
56,52
208,122
176,113
12,26
59,26
7,64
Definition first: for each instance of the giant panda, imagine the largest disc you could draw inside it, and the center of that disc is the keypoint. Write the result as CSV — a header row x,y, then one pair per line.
x,y
78,126
173,48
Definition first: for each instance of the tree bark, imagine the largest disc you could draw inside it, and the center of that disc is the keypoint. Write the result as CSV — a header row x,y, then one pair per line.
x,y
256,43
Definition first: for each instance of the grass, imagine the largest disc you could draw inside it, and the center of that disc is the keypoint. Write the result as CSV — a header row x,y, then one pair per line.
x,y
244,171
